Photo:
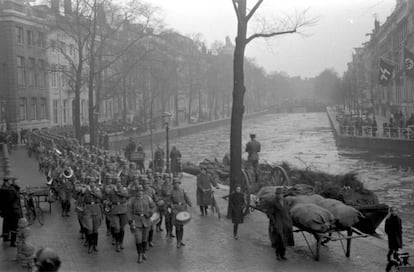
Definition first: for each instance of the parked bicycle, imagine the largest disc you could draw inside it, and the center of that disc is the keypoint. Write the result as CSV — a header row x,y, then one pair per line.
x,y
32,209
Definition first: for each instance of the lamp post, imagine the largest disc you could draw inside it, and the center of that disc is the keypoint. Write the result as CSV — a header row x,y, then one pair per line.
x,y
166,116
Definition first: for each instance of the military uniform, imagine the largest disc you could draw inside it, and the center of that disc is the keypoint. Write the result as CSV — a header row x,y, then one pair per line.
x,y
165,209
204,197
92,217
65,189
179,201
119,218
141,209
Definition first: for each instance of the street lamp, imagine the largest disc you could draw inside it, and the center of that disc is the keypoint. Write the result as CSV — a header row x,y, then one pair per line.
x,y
166,116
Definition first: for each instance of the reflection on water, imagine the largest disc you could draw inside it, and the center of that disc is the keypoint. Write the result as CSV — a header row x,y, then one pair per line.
x,y
306,140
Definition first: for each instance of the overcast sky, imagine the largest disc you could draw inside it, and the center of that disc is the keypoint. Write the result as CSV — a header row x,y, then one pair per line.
x,y
341,26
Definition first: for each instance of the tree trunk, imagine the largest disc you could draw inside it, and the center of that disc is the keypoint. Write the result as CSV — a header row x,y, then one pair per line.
x,y
124,101
238,96
176,98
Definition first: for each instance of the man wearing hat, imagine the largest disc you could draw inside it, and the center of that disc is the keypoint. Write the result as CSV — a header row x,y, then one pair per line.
x,y
204,182
140,210
165,195
179,201
149,191
47,260
10,208
118,199
280,225
253,149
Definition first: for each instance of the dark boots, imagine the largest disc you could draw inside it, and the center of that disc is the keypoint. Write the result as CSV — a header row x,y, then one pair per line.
x,y
144,249
202,210
141,248
121,239
150,235
180,233
89,239
158,227
95,242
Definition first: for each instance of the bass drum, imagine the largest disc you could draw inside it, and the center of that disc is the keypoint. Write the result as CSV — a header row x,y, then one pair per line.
x,y
183,217
155,218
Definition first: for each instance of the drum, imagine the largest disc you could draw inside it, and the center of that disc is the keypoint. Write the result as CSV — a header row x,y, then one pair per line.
x,y
155,218
183,217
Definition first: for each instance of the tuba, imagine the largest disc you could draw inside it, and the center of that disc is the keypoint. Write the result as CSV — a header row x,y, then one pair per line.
x,y
49,179
67,173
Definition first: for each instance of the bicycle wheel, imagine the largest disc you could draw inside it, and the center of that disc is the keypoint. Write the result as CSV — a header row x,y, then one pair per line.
x,y
39,215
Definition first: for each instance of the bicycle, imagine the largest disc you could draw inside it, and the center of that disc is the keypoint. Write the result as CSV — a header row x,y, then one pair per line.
x,y
32,209
399,263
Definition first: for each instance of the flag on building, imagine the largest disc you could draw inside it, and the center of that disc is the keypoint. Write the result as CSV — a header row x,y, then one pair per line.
x,y
408,62
385,73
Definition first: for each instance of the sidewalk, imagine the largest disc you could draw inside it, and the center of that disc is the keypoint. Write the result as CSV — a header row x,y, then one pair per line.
x,y
209,243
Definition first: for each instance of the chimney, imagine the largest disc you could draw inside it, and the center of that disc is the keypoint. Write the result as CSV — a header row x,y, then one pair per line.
x,y
54,6
67,6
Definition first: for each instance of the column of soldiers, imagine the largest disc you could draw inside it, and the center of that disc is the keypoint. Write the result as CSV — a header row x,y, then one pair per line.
x,y
109,188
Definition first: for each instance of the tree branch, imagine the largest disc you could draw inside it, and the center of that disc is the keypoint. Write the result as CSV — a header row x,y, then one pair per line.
x,y
268,35
235,9
251,13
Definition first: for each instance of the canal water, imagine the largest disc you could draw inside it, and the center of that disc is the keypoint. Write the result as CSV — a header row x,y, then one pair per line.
x,y
306,140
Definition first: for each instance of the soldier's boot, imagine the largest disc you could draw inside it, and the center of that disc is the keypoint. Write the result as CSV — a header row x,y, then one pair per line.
x,y
89,238
150,236
139,252
117,249
205,210
63,205
113,234
121,239
202,210
68,208
144,249
13,236
95,242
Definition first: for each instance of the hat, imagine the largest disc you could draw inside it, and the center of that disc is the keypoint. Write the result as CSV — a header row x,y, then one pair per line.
x,y
47,259
176,180
203,166
167,176
158,174
252,135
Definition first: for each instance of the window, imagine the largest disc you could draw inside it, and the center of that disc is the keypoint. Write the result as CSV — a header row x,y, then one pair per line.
x,y
20,71
22,109
53,75
65,110
41,78
63,76
30,38
40,39
55,111
33,109
71,50
31,81
43,109
62,48
19,35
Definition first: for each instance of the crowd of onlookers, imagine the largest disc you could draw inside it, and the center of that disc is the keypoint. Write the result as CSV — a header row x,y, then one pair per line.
x,y
363,125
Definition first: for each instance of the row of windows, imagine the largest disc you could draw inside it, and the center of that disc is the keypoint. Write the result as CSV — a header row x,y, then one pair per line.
x,y
32,38
32,108
32,72
61,113
59,46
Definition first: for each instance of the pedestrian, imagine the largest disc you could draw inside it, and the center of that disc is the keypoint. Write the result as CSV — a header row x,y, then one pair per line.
x,y
237,204
253,149
140,159
47,260
179,202
140,210
175,156
204,190
130,148
280,225
10,208
393,229
159,159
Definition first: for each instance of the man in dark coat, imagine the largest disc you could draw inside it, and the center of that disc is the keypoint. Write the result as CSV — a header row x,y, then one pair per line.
x,y
175,156
10,209
280,225
394,231
237,204
253,149
131,147
159,159
204,197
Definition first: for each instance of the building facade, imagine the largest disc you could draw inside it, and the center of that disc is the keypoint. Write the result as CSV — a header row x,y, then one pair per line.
x,y
387,42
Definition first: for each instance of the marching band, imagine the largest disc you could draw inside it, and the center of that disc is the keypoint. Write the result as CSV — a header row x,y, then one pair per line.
x,y
106,187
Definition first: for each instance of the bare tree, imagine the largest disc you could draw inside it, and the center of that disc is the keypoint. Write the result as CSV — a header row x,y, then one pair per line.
x,y
242,40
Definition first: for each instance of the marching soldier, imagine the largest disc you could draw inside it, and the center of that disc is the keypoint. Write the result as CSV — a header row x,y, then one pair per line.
x,y
148,190
204,192
119,217
65,189
92,215
165,195
179,202
141,209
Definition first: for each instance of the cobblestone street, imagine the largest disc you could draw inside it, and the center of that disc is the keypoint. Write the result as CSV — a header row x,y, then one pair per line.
x,y
209,243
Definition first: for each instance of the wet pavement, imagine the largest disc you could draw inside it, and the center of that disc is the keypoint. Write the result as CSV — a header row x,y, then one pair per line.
x,y
209,243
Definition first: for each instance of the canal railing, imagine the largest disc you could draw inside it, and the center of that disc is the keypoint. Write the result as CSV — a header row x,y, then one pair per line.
x,y
387,132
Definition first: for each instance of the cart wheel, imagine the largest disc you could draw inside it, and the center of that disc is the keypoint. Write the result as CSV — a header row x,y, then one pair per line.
x,y
280,177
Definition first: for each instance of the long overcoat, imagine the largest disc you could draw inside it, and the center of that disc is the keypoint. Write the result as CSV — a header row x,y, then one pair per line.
x,y
281,226
237,203
204,182
393,229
